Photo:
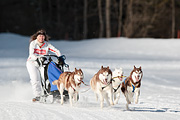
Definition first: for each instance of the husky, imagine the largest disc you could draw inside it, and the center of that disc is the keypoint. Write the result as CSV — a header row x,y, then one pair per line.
x,y
117,79
131,86
70,81
101,84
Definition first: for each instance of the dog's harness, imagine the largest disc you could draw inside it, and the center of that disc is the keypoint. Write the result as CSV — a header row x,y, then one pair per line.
x,y
134,86
111,83
81,82
73,88
117,88
68,75
84,83
119,84
107,84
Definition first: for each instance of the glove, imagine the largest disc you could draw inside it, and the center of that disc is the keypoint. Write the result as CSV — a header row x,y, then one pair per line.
x,y
61,60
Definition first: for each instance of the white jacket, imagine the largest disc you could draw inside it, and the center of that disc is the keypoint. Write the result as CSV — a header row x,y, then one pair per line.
x,y
35,50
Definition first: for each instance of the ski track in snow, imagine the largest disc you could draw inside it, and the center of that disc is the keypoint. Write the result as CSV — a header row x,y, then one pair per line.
x,y
156,102
38,111
159,99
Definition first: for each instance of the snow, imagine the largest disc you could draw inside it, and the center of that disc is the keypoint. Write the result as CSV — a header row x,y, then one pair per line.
x,y
160,90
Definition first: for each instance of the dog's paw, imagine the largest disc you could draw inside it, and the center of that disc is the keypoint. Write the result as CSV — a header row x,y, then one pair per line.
x,y
136,101
101,105
62,102
112,104
127,107
116,102
129,102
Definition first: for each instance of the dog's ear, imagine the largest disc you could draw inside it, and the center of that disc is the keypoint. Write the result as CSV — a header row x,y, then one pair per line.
x,y
134,67
121,68
140,67
75,69
101,67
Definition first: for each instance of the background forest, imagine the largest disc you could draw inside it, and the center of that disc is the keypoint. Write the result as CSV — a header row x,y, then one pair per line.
x,y
86,19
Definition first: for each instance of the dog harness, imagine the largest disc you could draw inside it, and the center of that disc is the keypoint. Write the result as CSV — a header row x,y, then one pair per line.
x,y
107,84
119,84
116,88
134,87
73,88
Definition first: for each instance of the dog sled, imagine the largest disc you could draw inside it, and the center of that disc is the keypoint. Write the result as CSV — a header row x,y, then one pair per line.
x,y
52,67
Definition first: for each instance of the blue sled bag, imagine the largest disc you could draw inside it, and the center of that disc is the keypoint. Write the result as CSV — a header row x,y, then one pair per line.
x,y
53,74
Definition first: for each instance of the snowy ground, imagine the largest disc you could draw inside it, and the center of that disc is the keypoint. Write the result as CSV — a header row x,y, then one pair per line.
x,y
160,90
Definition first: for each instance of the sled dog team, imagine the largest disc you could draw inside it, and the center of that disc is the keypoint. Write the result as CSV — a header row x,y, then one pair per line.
x,y
105,84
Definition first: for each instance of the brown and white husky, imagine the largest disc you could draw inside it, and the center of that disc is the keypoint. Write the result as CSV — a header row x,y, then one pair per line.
x,y
131,86
71,82
101,84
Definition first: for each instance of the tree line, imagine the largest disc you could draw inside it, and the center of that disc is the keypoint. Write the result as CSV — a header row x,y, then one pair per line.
x,y
86,19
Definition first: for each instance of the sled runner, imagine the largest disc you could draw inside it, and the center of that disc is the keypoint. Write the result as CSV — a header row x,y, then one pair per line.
x,y
50,71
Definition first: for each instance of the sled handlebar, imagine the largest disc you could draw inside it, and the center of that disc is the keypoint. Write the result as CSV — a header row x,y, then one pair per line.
x,y
61,59
62,56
